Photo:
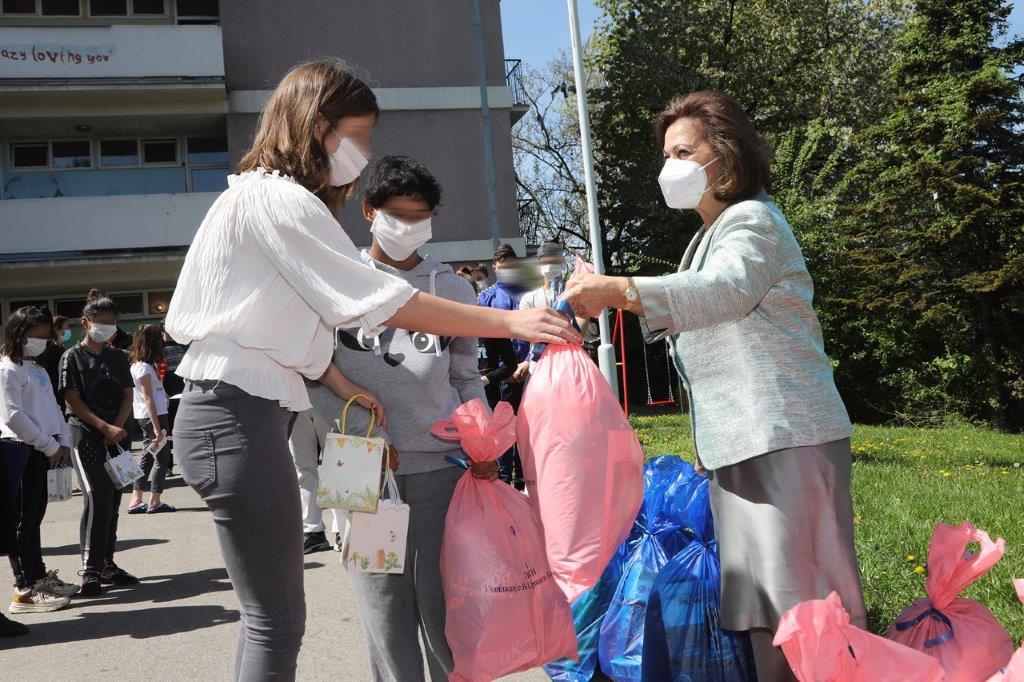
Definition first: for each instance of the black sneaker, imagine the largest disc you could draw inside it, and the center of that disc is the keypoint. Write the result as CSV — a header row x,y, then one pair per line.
x,y
11,628
112,574
91,586
315,542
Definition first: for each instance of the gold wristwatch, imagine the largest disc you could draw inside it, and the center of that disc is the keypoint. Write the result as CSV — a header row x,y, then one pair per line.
x,y
631,293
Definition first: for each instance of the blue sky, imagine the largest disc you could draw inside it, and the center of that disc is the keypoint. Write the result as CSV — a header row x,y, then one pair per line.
x,y
535,30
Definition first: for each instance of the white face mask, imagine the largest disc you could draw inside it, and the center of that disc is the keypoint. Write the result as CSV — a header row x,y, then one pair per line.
x,y
399,240
347,162
683,182
552,270
101,333
33,347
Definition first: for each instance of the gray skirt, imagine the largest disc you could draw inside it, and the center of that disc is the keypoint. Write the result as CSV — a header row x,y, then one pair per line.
x,y
784,522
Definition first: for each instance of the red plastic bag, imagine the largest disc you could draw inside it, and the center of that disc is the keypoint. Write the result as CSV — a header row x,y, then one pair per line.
x,y
962,634
1014,670
583,465
504,611
821,646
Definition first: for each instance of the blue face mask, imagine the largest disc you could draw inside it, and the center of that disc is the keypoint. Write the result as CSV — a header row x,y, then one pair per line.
x,y
65,336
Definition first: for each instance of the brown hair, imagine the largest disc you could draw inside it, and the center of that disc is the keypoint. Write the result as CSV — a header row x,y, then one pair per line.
x,y
147,344
18,325
287,139
96,302
726,128
503,253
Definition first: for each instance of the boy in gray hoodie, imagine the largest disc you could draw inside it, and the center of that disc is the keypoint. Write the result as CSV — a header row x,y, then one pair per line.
x,y
419,379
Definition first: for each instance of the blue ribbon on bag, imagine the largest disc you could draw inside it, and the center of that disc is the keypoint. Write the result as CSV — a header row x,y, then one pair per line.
x,y
932,612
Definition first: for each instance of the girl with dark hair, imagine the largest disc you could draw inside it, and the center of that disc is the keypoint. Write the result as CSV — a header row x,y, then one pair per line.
x,y
150,408
31,420
267,279
97,387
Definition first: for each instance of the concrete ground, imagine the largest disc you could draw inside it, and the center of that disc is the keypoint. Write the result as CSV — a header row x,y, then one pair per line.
x,y
182,621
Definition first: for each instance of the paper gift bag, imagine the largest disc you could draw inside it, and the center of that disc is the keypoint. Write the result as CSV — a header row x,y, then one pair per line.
x,y
123,469
375,543
350,468
58,484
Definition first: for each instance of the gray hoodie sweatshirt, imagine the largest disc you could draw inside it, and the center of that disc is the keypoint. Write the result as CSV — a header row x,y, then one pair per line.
x,y
420,378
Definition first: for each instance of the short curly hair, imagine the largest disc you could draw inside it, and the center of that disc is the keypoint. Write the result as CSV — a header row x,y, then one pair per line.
x,y
401,176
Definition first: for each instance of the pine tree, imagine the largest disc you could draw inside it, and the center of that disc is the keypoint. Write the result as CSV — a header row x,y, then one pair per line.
x,y
935,225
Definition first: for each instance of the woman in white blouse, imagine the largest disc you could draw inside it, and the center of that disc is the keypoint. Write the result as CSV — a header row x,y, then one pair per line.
x,y
268,277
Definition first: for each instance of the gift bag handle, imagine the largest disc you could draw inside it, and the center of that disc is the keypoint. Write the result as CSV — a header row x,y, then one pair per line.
x,y
392,485
344,416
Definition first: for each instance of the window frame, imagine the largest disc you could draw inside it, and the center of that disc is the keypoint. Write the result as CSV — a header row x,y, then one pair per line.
x,y
51,302
159,164
39,12
204,165
138,152
92,156
49,157
129,12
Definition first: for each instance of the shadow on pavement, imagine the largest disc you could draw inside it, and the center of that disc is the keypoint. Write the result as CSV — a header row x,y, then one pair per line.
x,y
122,545
136,623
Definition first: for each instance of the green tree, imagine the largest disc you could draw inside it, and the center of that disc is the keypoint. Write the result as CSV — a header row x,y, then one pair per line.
x,y
932,219
790,62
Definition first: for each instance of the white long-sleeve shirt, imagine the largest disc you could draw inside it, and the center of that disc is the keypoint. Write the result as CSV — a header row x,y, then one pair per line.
x,y
28,409
268,277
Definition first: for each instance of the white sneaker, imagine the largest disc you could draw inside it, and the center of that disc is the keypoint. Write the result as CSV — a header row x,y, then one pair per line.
x,y
54,585
36,601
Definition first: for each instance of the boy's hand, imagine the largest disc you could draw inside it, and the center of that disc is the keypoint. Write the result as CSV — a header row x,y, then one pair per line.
x,y
371,403
487,471
392,455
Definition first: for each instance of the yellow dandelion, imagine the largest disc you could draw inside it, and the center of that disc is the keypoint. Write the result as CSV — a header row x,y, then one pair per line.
x,y
911,557
919,570
945,474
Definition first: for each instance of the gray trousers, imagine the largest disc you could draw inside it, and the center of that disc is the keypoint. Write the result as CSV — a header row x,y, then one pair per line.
x,y
306,441
233,450
154,468
396,610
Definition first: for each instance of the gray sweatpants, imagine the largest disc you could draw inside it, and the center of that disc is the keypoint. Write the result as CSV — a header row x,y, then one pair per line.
x,y
154,468
305,441
396,610
233,450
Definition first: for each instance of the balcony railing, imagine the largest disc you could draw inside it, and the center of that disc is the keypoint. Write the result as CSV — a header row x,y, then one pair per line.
x,y
514,79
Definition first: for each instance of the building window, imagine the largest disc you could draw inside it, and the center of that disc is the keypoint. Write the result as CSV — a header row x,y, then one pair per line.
x,y
108,8
207,150
153,7
128,304
70,308
114,153
198,11
22,304
160,151
123,8
35,155
72,154
159,302
47,8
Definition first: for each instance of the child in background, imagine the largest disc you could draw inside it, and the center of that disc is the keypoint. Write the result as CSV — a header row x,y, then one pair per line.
x,y
149,405
29,415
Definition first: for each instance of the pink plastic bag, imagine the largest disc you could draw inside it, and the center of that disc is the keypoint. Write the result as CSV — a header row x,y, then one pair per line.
x,y
504,611
583,465
962,634
821,646
1014,670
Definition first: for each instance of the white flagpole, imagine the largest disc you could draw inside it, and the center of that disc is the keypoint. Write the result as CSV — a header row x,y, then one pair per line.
x,y
606,352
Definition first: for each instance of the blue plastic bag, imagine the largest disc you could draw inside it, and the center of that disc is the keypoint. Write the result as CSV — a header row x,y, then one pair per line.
x,y
683,638
657,535
587,615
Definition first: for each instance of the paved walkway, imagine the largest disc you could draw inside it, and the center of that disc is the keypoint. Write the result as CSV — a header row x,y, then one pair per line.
x,y
182,621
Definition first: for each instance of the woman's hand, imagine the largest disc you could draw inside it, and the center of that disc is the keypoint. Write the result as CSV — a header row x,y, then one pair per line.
x,y
370,402
541,325
487,471
590,294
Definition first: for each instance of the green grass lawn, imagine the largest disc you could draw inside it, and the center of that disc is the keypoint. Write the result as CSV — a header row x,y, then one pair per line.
x,y
904,481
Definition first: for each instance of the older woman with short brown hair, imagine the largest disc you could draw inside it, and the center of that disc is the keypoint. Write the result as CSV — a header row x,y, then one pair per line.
x,y
768,422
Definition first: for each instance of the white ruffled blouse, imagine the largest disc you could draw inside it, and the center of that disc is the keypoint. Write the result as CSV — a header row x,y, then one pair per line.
x,y
268,277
